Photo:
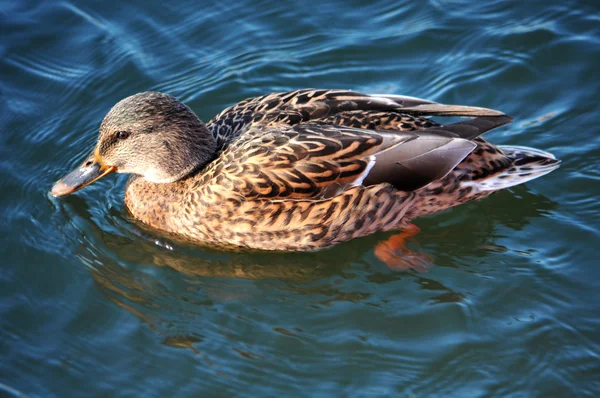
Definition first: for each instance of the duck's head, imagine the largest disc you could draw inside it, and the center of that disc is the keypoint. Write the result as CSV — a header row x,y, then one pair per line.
x,y
150,134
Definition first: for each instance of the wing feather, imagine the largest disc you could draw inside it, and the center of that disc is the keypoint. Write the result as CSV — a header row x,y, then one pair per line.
x,y
302,161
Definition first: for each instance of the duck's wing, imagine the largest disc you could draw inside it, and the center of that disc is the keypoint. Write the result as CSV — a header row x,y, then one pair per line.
x,y
310,105
320,160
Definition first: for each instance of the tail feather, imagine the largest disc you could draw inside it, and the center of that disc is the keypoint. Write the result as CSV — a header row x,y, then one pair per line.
x,y
527,164
516,151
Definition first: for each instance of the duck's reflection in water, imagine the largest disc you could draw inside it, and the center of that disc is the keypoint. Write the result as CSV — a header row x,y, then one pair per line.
x,y
201,301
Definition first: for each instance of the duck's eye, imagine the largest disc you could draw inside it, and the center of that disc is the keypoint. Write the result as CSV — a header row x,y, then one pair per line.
x,y
122,135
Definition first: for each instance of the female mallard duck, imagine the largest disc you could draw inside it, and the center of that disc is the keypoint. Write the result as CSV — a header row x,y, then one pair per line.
x,y
301,170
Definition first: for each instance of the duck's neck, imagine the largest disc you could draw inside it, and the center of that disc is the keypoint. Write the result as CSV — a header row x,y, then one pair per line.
x,y
165,207
152,203
197,150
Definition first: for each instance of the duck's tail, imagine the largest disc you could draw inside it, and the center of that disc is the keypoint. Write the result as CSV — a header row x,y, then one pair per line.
x,y
487,169
526,164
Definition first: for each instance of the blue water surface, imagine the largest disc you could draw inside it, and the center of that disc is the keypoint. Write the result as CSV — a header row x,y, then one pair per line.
x,y
94,304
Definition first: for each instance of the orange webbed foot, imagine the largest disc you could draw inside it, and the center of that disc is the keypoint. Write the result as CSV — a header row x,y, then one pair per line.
x,y
396,255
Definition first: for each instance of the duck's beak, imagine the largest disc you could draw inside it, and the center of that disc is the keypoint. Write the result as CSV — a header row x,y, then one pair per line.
x,y
92,169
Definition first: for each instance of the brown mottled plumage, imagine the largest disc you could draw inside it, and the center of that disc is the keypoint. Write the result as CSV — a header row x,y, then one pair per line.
x,y
301,170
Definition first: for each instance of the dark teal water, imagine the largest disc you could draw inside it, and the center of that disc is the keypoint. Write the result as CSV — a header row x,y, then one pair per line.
x,y
92,304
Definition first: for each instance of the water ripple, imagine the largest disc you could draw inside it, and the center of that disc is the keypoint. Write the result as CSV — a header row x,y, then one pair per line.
x,y
93,302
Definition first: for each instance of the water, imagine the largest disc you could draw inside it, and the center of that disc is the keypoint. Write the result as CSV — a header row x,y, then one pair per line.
x,y
93,304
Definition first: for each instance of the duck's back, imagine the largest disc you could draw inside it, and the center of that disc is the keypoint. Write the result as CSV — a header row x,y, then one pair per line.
x,y
342,107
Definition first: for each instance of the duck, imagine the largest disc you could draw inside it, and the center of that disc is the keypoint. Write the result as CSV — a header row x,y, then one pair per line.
x,y
302,170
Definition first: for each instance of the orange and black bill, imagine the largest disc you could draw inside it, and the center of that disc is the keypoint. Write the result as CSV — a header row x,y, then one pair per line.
x,y
91,170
